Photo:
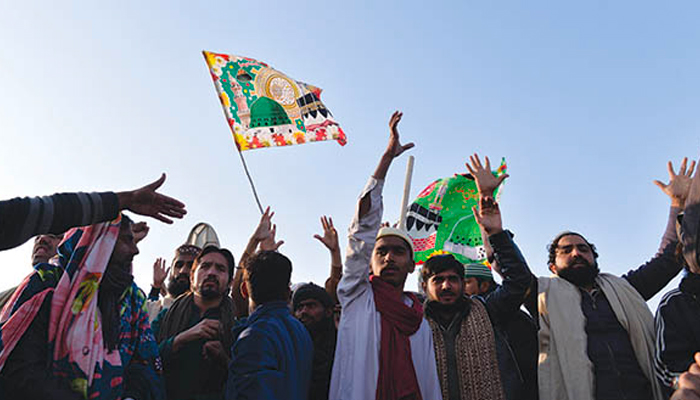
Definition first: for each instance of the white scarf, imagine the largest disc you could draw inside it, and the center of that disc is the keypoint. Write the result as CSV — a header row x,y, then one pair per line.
x,y
565,372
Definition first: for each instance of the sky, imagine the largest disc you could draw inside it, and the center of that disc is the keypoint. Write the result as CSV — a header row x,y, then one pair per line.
x,y
587,102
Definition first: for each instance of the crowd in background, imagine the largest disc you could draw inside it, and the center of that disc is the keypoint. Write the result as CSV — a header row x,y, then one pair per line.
x,y
216,325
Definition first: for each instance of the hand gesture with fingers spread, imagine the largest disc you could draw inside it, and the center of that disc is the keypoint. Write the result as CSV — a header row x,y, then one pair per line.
x,y
486,182
330,235
488,215
265,232
678,186
270,243
159,273
146,201
395,148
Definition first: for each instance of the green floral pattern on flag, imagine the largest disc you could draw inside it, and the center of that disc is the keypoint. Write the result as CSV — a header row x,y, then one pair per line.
x,y
440,219
266,108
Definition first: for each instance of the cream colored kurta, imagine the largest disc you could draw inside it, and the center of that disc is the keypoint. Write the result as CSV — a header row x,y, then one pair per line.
x,y
356,365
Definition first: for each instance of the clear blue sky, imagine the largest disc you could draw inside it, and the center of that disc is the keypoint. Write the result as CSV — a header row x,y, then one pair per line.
x,y
586,101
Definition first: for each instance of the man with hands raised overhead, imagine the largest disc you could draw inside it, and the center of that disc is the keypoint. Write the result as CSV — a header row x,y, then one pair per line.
x,y
596,332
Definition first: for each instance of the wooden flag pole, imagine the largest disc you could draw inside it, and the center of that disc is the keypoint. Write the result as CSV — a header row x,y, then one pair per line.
x,y
406,192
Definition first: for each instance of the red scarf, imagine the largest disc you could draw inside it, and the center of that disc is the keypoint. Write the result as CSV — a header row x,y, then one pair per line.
x,y
397,377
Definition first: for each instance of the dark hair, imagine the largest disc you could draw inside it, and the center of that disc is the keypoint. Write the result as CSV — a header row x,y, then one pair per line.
x,y
224,252
441,263
268,273
552,247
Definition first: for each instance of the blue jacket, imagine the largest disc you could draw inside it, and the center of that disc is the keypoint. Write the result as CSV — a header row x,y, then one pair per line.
x,y
271,357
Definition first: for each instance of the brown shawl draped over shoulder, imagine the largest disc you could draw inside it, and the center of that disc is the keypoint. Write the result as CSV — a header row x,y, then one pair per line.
x,y
477,364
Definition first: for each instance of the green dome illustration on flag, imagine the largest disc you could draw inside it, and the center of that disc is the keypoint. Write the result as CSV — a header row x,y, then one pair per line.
x,y
266,108
440,219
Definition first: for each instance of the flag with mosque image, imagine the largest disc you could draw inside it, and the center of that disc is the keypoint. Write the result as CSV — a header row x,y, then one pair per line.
x,y
440,219
266,108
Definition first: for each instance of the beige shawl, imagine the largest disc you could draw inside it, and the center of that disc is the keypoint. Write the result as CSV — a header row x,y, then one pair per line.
x,y
565,372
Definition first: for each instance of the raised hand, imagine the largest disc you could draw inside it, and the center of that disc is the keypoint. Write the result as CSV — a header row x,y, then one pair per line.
x,y
678,185
140,230
330,235
146,201
269,243
486,182
488,215
395,148
159,273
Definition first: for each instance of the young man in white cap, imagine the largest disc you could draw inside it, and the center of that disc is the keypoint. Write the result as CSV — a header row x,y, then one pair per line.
x,y
385,347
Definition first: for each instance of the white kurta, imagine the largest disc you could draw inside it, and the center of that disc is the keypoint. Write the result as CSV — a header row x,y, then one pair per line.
x,y
356,364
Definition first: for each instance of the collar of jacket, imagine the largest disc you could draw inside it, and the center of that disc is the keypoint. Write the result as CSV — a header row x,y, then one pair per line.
x,y
690,284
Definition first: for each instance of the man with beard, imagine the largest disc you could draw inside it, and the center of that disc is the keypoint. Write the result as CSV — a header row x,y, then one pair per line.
x,y
178,282
194,334
314,308
385,346
473,356
87,316
596,333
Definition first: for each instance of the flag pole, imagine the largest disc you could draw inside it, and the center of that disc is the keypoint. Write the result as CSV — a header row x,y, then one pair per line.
x,y
252,185
406,192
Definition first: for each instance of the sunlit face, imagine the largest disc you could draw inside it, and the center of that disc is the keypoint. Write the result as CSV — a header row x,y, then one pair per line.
x,y
392,260
575,261
45,247
446,287
572,252
209,279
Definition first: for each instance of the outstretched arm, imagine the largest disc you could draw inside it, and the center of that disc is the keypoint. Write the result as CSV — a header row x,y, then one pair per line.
x,y
22,218
653,276
365,224
330,240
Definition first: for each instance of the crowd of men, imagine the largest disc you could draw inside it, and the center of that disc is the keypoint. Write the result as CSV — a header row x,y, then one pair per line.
x,y
78,327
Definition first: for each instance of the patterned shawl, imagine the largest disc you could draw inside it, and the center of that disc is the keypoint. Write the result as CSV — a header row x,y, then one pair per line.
x,y
76,347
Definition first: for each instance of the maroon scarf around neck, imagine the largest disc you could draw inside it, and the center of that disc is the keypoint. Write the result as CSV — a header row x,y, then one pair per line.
x,y
397,377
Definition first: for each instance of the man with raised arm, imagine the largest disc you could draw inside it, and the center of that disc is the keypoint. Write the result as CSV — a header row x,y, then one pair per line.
x,y
178,279
596,332
385,347
474,358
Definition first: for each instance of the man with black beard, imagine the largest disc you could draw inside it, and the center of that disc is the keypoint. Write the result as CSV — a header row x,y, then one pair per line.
x,y
194,334
178,281
596,332
313,306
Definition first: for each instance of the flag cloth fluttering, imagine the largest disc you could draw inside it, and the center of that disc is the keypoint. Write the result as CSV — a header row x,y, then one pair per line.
x,y
440,219
266,108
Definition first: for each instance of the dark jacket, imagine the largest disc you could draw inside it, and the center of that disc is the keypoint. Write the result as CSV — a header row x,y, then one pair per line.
x,y
503,306
271,357
616,370
677,330
324,339
22,218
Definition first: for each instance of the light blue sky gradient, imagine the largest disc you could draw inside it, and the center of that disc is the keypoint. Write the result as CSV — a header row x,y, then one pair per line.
x,y
586,101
